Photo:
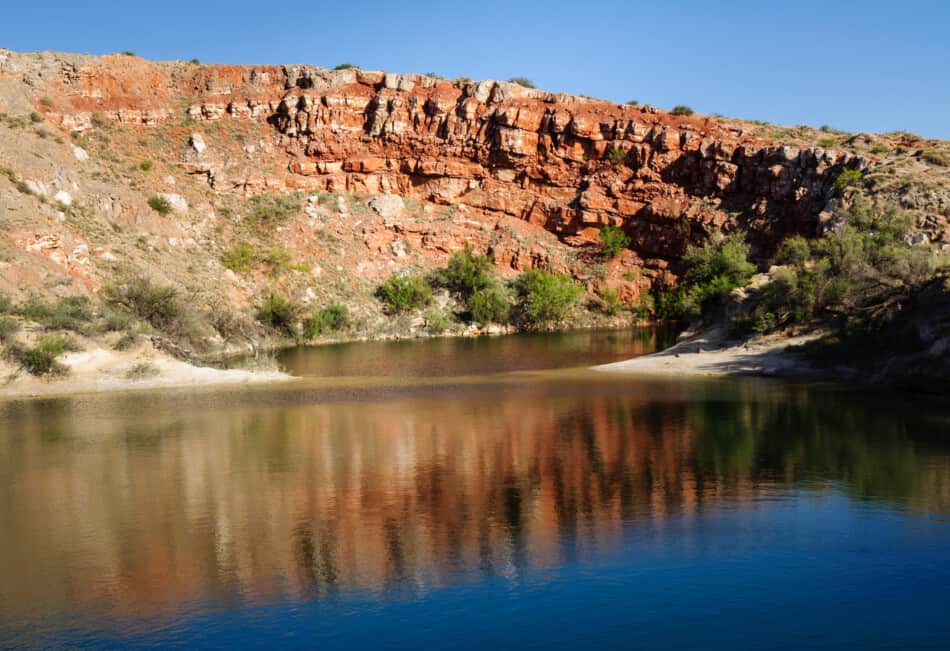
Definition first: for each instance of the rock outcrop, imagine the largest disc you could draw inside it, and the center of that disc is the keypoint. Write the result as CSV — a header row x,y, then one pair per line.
x,y
569,164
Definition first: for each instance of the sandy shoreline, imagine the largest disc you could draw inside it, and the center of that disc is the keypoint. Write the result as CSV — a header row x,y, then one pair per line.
x,y
711,354
98,370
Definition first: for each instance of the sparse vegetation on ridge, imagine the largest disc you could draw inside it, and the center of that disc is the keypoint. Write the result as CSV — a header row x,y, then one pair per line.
x,y
522,81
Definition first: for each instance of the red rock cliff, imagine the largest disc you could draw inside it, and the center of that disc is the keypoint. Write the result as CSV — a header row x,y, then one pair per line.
x,y
567,163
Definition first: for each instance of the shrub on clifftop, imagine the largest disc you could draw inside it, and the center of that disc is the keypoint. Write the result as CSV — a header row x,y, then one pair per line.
x,y
522,81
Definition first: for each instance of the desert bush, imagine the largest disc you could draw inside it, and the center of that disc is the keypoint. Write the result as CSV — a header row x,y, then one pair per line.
x,y
862,271
161,205
613,240
157,305
240,258
610,303
465,273
70,313
344,66
616,155
35,117
271,209
545,297
713,270
126,341
681,110
522,81
41,358
331,318
404,294
145,165
794,250
8,327
490,304
437,320
141,371
279,312
848,178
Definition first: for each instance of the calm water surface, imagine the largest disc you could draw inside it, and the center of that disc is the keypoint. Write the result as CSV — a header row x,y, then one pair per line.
x,y
472,494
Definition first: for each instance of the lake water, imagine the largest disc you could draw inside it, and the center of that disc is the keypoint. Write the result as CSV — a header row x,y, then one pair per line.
x,y
486,493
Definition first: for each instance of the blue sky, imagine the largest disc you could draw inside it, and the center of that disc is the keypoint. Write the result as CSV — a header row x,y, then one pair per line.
x,y
855,65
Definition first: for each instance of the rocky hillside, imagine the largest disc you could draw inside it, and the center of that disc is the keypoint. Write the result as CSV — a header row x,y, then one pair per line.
x,y
232,181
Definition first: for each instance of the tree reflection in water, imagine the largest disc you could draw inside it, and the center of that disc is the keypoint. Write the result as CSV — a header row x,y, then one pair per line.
x,y
138,502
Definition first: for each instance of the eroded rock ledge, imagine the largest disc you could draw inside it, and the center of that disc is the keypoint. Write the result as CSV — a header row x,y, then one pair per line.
x,y
567,163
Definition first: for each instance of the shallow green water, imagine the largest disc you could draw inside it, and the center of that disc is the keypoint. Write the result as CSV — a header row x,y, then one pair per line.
x,y
482,492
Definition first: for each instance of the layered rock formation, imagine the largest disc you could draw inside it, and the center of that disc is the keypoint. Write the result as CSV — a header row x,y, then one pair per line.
x,y
566,163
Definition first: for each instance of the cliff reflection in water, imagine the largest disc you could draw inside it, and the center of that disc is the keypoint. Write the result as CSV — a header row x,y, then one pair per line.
x,y
138,502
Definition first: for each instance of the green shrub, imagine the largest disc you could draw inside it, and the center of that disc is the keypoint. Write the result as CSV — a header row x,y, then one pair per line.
x,y
522,81
41,359
610,303
8,327
545,297
437,320
673,304
681,110
713,270
794,250
126,341
46,101
827,142
344,66
271,209
632,102
35,117
240,258
161,205
157,305
404,294
465,273
848,178
863,271
613,240
646,307
880,149
194,62
145,165
128,53
616,155
332,318
490,305
70,313
279,313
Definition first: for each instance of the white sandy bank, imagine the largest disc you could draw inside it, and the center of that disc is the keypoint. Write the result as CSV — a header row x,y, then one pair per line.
x,y
711,354
99,369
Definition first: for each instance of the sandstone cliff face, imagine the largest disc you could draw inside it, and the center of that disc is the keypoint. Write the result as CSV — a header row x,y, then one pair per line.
x,y
566,163
529,176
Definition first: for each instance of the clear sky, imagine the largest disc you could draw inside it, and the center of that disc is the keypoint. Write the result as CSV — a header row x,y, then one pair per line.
x,y
857,65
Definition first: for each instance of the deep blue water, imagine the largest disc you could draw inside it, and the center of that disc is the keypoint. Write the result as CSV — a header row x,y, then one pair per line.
x,y
456,508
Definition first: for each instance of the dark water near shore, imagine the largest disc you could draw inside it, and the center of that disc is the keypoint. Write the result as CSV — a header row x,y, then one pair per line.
x,y
469,493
